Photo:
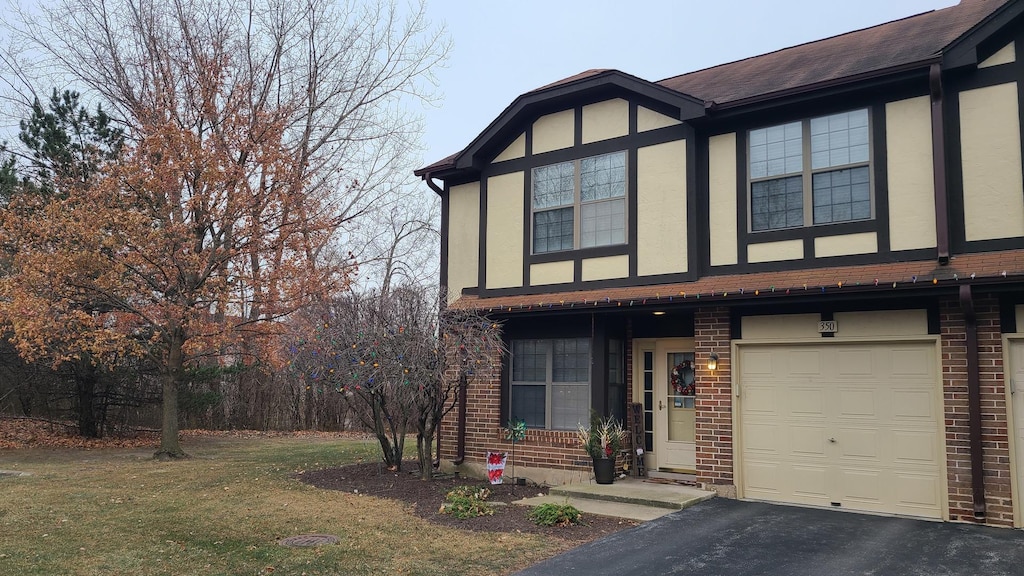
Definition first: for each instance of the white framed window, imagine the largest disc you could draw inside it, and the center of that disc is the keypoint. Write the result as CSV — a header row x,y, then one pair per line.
x,y
550,382
815,171
579,203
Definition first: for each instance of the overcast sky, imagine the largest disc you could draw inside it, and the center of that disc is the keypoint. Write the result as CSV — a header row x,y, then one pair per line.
x,y
505,48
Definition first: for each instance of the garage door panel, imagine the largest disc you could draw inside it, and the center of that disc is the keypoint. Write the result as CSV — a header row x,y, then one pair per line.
x,y
810,483
914,405
914,448
908,361
807,441
917,492
879,402
858,404
762,400
804,402
861,486
762,439
855,363
804,362
857,443
763,478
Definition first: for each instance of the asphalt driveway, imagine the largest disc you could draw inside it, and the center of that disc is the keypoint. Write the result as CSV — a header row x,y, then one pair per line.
x,y
724,536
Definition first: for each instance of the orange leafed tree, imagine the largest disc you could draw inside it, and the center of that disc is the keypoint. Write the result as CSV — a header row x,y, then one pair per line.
x,y
194,243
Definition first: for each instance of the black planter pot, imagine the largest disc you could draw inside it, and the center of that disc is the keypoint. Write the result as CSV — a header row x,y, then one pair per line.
x,y
604,470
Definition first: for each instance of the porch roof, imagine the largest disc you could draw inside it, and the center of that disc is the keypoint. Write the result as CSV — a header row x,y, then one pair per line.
x,y
981,269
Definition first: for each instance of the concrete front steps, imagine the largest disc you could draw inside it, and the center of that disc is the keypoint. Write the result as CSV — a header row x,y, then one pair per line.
x,y
632,498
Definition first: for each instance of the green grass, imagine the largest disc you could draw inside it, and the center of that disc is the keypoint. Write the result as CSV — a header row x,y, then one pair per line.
x,y
120,512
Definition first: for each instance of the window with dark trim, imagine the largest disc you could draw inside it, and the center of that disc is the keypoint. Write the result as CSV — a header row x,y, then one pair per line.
x,y
816,170
580,203
550,382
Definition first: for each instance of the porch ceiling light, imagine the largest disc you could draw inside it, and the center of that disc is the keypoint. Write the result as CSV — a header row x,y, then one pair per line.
x,y
713,362
659,313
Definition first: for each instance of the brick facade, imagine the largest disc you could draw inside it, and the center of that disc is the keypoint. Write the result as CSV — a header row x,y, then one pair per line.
x,y
714,397
995,440
557,452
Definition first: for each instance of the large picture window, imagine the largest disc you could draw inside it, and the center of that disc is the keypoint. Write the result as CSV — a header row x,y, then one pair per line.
x,y
816,170
551,382
580,203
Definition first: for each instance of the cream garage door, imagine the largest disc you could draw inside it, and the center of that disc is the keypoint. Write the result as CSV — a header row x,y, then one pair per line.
x,y
856,426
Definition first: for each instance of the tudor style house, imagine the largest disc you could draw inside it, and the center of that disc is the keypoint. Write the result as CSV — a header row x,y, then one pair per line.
x,y
807,267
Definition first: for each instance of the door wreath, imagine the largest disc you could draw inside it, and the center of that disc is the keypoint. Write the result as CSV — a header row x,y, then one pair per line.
x,y
683,381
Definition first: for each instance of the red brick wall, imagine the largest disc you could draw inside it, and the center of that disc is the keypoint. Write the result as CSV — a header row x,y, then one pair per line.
x,y
553,449
714,397
995,441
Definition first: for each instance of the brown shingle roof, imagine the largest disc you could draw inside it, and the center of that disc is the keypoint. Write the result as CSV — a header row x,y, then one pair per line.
x,y
904,42
891,45
986,268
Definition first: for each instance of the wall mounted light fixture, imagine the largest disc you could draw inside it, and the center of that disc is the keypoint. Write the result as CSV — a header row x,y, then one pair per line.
x,y
713,362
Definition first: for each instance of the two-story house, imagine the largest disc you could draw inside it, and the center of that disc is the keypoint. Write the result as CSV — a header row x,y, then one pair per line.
x,y
807,267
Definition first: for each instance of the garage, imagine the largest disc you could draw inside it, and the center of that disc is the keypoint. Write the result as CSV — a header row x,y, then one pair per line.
x,y
849,425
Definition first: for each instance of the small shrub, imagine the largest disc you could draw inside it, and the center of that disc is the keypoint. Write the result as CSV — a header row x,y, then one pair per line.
x,y
467,502
556,515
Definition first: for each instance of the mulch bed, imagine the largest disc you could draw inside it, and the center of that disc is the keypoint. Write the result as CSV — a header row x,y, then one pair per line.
x,y
426,497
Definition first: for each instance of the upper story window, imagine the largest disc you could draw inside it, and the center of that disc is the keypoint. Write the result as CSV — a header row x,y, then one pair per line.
x,y
580,203
816,170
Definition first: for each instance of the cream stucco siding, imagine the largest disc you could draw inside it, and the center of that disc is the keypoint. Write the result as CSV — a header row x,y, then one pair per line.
x,y
517,149
647,119
990,147
863,243
604,120
554,131
551,273
1005,55
463,238
661,209
505,231
775,251
881,323
908,135
780,326
605,268
722,190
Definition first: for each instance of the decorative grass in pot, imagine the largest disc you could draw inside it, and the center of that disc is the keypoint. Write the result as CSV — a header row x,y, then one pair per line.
x,y
602,439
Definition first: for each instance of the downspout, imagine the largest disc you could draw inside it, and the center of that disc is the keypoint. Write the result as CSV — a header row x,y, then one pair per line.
x,y
429,179
460,446
974,400
939,164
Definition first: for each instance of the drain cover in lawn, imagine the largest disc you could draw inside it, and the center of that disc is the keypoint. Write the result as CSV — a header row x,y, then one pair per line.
x,y
308,540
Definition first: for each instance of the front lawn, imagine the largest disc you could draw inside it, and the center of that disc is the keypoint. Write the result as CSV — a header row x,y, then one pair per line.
x,y
117,511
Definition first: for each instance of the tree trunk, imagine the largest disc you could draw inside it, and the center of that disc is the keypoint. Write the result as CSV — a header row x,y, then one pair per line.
x,y
170,447
85,386
424,443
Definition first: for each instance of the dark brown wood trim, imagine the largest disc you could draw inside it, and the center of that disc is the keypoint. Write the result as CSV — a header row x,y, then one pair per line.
x,y
1008,313
631,209
742,198
693,214
482,264
939,165
880,172
527,224
617,144
581,254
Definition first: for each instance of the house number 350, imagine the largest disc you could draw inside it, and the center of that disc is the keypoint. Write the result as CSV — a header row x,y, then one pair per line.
x,y
828,327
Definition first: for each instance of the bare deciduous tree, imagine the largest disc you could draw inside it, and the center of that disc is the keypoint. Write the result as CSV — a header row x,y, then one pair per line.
x,y
254,132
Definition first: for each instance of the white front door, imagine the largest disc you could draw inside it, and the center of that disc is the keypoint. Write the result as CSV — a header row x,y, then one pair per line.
x,y
674,414
1016,384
